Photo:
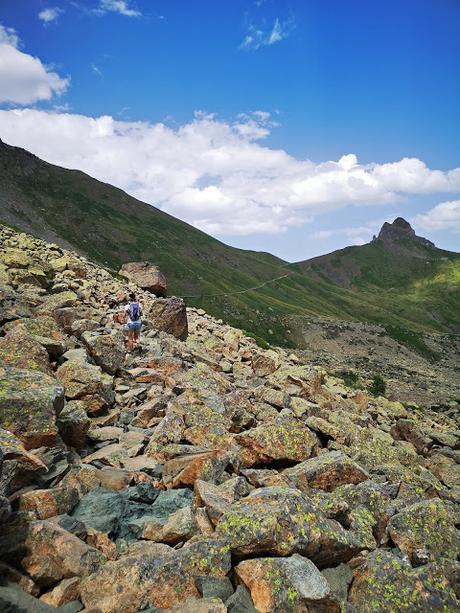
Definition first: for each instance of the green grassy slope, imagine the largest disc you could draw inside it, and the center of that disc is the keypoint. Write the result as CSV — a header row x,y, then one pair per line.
x,y
409,280
410,290
111,227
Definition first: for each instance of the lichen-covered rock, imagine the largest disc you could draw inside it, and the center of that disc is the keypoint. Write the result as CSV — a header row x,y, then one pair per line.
x,y
445,469
169,315
82,380
426,530
326,472
54,554
281,521
407,430
57,301
198,605
30,401
366,508
135,582
44,330
291,585
384,582
280,440
107,350
169,430
48,503
20,350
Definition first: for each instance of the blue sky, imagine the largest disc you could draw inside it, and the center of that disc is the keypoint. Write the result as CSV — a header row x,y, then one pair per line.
x,y
234,115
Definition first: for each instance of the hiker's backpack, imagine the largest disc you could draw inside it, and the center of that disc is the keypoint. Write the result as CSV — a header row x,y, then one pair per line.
x,y
134,311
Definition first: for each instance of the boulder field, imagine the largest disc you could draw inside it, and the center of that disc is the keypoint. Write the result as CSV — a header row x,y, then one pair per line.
x,y
202,474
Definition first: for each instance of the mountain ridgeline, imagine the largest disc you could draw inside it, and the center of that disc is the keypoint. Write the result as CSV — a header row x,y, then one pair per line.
x,y
398,280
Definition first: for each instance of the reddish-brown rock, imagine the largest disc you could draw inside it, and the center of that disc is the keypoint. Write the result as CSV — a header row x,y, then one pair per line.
x,y
50,502
135,582
54,554
185,470
146,275
291,585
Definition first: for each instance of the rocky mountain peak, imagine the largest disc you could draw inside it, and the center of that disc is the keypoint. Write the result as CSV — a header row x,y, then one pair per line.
x,y
400,229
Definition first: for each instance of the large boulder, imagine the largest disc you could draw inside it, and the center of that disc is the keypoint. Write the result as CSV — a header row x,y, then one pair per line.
x,y
57,301
107,350
281,521
426,531
49,502
134,582
54,554
282,440
169,315
20,350
385,582
30,401
264,364
85,381
43,330
186,469
145,275
13,599
326,472
291,585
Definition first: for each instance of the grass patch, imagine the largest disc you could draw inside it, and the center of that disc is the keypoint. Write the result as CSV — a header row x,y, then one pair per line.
x,y
378,386
412,340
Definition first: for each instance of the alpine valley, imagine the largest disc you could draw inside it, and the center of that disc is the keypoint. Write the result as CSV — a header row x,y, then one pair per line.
x,y
389,308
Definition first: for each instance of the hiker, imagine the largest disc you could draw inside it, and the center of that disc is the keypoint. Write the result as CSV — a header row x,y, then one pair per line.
x,y
134,312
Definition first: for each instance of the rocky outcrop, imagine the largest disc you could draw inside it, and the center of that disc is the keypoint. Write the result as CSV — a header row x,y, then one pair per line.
x,y
30,402
169,315
398,230
203,474
146,276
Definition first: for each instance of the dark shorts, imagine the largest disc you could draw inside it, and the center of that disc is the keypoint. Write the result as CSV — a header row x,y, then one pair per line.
x,y
134,326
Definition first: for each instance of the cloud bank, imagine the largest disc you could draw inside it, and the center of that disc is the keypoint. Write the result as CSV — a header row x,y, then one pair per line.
x,y
23,78
217,175
444,216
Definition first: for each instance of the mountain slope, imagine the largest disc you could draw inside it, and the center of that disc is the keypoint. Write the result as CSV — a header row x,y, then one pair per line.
x,y
405,274
111,227
258,292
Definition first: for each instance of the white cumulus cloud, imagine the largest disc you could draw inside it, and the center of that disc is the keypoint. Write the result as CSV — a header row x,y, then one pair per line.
x,y
444,216
24,79
118,6
217,175
49,15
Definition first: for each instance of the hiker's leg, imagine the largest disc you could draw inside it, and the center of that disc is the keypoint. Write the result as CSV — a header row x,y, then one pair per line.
x,y
137,334
131,340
